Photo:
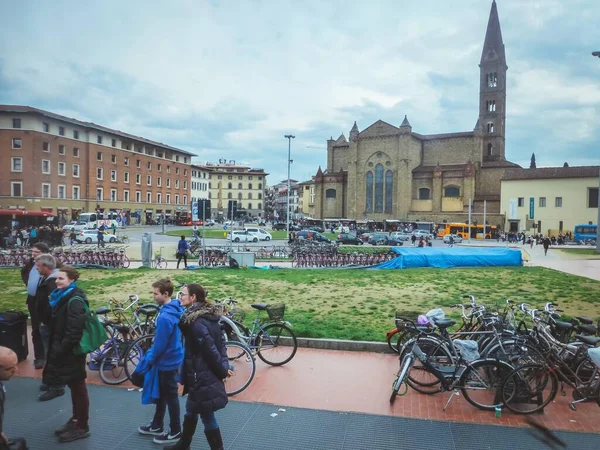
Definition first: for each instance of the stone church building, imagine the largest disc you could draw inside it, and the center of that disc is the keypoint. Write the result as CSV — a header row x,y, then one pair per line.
x,y
391,172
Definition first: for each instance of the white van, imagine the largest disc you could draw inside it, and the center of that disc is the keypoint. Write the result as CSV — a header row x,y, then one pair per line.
x,y
91,221
260,233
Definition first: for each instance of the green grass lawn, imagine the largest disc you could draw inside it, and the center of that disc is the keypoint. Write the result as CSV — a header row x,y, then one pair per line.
x,y
588,253
344,304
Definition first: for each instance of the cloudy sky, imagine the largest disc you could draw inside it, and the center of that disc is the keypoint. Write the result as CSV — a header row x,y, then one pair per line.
x,y
227,79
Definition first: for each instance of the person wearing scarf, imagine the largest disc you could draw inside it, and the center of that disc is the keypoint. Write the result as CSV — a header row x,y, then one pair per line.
x,y
67,313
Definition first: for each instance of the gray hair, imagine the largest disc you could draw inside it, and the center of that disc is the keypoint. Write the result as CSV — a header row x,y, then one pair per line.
x,y
47,260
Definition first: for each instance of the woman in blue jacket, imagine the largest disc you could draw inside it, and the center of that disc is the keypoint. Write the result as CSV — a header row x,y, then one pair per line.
x,y
205,366
182,248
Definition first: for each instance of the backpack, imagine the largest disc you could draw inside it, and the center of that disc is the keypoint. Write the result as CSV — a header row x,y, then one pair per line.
x,y
94,334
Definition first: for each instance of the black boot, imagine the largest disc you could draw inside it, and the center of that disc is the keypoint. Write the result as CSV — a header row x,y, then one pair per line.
x,y
187,434
214,439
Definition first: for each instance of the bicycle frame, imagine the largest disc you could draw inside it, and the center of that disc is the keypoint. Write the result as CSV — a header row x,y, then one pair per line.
x,y
257,328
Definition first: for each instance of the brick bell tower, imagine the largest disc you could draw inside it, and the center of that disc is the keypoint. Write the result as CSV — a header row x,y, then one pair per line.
x,y
492,90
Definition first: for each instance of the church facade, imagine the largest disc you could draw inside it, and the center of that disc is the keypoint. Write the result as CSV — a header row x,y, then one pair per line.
x,y
390,172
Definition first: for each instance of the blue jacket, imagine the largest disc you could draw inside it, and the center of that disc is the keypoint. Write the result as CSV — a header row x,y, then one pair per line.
x,y
166,352
182,246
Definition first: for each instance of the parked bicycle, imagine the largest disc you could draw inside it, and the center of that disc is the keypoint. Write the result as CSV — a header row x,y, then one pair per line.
x,y
159,262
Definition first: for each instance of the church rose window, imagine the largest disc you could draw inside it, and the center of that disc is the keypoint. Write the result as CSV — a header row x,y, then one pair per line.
x,y
379,188
424,194
451,191
330,193
369,193
389,185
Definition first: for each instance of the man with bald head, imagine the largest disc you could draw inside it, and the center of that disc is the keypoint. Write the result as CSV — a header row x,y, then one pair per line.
x,y
8,367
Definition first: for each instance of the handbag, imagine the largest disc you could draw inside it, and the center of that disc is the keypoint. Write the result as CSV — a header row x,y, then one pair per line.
x,y
94,334
138,376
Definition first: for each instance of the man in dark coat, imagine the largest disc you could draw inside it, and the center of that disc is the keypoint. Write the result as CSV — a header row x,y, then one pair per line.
x,y
8,367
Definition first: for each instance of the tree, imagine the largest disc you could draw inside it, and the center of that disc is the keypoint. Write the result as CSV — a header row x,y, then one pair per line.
x,y
566,164
532,163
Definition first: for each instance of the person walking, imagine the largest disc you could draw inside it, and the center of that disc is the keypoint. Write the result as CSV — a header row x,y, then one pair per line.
x,y
46,265
31,277
165,356
114,228
205,367
63,367
73,237
413,238
100,236
451,241
182,248
546,244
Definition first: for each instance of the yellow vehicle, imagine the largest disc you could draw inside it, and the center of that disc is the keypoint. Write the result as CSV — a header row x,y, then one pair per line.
x,y
462,229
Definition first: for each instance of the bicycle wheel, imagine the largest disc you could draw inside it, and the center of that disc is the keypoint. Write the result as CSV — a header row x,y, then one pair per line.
x,y
421,379
112,369
277,344
242,363
125,262
515,352
135,352
529,388
481,381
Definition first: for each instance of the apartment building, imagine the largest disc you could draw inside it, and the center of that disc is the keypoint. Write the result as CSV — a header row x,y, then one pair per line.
x,y
199,182
307,198
231,181
67,166
280,196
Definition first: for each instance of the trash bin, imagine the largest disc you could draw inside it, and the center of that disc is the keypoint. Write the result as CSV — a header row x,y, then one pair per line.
x,y
147,250
13,333
243,258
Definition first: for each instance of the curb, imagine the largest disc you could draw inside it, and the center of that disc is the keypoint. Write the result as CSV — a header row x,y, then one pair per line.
x,y
339,344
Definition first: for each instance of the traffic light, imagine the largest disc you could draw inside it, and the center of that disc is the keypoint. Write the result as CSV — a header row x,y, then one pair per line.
x,y
204,205
232,209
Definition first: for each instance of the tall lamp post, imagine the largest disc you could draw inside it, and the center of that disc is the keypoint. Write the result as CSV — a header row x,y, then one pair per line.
x,y
598,221
289,137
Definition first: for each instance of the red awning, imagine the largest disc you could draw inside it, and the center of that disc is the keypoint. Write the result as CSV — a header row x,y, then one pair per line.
x,y
20,212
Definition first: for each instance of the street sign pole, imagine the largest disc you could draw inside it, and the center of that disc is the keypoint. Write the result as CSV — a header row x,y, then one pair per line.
x,y
203,233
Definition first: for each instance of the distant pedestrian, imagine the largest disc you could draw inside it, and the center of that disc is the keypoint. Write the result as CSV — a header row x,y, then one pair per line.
x,y
114,228
413,239
73,237
182,248
100,236
546,244
451,241
421,242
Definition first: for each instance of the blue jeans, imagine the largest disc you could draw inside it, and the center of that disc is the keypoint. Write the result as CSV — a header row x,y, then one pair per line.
x,y
209,419
168,399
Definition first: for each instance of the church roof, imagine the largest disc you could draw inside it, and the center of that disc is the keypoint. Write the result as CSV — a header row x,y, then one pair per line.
x,y
499,163
493,46
431,137
405,122
354,127
552,172
341,141
379,128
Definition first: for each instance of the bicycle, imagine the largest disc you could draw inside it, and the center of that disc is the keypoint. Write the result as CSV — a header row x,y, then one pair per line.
x,y
159,262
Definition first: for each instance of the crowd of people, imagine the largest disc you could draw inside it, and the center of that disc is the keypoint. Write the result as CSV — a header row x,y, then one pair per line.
x,y
28,236
188,349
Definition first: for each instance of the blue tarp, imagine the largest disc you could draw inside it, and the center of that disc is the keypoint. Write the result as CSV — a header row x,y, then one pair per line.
x,y
452,257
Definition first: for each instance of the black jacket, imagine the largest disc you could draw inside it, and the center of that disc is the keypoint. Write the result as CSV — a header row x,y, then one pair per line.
x,y
42,294
66,330
205,362
25,271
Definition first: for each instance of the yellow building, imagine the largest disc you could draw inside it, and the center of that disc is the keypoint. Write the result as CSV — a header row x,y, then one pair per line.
x,y
549,200
307,198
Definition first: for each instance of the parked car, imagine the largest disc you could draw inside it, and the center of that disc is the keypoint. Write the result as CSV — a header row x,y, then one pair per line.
x,y
347,238
91,237
423,234
383,239
70,226
262,223
400,235
365,236
309,234
280,226
262,234
242,236
341,229
316,228
457,238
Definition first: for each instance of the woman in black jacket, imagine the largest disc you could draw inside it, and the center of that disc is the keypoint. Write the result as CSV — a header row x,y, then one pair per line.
x,y
67,320
205,366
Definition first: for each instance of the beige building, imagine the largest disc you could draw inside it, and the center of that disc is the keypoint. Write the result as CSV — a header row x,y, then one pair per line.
x,y
306,204
549,200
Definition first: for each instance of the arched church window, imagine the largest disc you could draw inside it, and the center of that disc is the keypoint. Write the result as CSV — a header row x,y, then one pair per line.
x,y
330,193
490,127
379,188
369,193
492,79
451,191
491,105
490,149
424,193
389,188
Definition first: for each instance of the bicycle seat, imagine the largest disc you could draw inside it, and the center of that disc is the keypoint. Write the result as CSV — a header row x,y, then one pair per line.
x,y
585,320
260,306
587,329
589,340
563,325
122,328
103,310
444,323
148,310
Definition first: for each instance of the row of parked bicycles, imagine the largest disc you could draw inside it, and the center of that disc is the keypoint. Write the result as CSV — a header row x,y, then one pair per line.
x,y
309,259
518,358
75,256
130,327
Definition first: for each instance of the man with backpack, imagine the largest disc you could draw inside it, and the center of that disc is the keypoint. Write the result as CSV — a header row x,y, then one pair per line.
x,y
165,356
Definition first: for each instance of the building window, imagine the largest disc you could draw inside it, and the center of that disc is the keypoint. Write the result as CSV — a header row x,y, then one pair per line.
x,y
424,193
379,188
249,185
138,164
99,173
75,152
61,131
76,170
260,206
177,199
249,205
62,169
45,127
250,177
61,149
521,202
149,197
542,203
239,195
99,139
126,177
330,193
159,181
113,142
126,161
62,191
159,167
168,169
185,184
389,189
230,196
149,180
45,166
17,143
45,190
492,79
260,185
149,166
113,195
185,170
16,165
259,196
125,195
138,196
113,159
185,199
558,202
75,134
490,127
592,198
16,123
16,188
229,186
176,184
113,175
249,195
239,185
176,170
99,156
138,178
46,146
168,182
490,149
369,193
158,197
75,193
491,105
168,199
177,159
451,191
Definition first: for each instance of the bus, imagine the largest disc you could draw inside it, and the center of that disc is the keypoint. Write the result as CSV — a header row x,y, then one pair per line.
x,y
89,221
462,229
585,232
20,218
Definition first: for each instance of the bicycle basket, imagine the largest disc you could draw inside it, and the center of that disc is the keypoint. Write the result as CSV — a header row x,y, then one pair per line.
x,y
238,314
276,311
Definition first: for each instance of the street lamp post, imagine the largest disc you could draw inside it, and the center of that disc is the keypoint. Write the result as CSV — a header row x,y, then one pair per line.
x,y
598,220
289,137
